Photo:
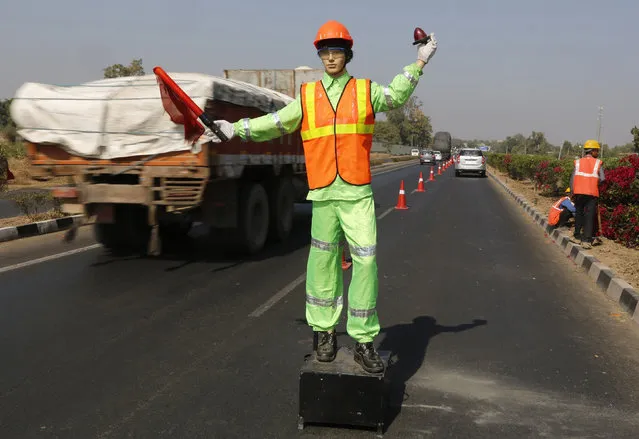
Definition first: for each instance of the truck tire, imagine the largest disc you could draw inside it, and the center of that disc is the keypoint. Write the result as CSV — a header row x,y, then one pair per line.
x,y
281,207
175,235
129,233
253,218
107,235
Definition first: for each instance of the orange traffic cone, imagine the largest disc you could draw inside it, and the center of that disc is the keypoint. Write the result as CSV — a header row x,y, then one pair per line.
x,y
401,200
439,170
420,184
345,264
432,175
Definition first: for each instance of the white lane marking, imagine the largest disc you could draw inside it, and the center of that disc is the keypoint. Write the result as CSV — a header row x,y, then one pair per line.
x,y
429,407
291,286
414,190
396,168
48,258
389,210
278,296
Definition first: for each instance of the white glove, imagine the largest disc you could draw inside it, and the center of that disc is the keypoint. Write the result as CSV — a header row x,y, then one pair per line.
x,y
224,126
426,51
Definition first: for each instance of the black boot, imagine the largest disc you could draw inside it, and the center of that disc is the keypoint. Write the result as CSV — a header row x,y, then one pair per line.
x,y
367,357
326,346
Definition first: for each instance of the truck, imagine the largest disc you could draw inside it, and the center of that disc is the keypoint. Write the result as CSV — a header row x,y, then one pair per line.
x,y
443,142
132,175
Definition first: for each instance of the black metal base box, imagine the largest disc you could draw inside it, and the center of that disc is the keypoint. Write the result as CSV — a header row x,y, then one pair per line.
x,y
342,393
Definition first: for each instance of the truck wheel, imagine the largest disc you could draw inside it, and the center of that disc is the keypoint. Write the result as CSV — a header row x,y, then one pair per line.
x,y
253,218
129,233
175,234
107,235
281,207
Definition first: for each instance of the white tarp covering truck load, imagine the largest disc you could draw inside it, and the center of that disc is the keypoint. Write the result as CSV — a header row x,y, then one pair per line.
x,y
134,175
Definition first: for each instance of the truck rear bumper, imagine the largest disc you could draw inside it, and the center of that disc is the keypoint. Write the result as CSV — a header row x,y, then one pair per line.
x,y
114,193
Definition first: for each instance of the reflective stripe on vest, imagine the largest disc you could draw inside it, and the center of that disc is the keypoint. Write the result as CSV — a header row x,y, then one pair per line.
x,y
586,181
337,141
555,211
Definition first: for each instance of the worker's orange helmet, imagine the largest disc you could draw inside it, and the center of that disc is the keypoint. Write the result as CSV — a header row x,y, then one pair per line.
x,y
333,30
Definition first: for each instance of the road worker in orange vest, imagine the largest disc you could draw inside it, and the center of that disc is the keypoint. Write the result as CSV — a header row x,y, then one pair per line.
x,y
584,184
561,211
337,119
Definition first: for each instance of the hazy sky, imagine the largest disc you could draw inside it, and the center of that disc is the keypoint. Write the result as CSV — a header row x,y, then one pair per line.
x,y
502,67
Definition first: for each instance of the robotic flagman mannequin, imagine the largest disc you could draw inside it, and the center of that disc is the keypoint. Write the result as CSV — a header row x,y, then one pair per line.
x,y
336,118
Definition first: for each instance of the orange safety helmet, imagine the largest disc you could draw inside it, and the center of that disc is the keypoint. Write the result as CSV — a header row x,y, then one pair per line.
x,y
332,30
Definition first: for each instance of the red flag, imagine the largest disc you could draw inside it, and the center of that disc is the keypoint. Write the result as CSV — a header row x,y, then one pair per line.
x,y
181,109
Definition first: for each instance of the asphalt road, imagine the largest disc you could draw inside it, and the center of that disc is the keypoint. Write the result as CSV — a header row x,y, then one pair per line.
x,y
494,333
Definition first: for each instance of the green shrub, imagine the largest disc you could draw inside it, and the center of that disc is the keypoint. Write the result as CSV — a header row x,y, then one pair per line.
x,y
619,194
31,204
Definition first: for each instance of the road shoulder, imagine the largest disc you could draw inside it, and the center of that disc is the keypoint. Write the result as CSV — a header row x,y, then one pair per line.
x,y
615,287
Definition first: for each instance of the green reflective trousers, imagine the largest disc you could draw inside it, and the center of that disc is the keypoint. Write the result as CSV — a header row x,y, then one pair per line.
x,y
332,222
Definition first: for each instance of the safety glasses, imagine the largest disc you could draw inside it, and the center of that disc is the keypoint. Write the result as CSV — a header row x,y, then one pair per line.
x,y
331,52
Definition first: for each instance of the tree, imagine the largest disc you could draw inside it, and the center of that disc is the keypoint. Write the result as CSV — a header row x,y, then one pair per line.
x,y
8,129
566,148
386,133
536,143
514,144
635,138
413,125
457,143
628,148
5,115
118,70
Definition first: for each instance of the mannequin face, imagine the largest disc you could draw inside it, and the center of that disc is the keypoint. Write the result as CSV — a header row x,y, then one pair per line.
x,y
334,61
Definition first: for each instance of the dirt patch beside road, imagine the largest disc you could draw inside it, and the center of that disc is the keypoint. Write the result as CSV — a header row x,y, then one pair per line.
x,y
23,177
622,260
22,220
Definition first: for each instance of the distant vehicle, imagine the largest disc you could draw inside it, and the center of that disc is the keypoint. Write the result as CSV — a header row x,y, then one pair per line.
x,y
470,160
427,157
414,152
443,141
438,155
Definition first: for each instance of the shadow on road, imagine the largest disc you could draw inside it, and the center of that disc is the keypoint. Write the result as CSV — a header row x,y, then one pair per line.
x,y
408,344
203,247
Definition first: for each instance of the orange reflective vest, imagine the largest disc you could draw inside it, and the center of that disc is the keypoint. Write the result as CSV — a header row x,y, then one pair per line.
x,y
555,211
586,180
337,141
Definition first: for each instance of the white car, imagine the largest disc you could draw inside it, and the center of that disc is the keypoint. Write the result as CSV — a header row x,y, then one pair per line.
x,y
470,160
438,155
414,152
